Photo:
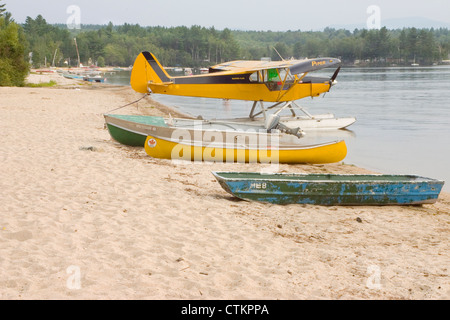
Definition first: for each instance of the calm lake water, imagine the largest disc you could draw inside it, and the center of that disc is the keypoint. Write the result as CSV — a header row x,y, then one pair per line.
x,y
403,117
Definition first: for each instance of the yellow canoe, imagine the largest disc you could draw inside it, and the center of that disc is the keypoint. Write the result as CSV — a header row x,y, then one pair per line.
x,y
329,152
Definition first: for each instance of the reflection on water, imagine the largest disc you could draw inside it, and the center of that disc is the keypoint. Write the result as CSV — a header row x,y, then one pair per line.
x,y
403,117
118,77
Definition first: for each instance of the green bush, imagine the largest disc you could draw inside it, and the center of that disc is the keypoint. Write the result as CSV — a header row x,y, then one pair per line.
x,y
13,67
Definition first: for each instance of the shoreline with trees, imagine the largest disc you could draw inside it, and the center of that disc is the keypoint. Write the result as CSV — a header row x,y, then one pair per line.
x,y
198,46
37,44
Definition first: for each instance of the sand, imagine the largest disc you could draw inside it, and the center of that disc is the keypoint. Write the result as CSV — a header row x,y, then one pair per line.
x,y
83,217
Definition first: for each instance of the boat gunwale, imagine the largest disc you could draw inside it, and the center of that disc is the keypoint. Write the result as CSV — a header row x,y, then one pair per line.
x,y
280,147
413,179
255,126
153,134
169,127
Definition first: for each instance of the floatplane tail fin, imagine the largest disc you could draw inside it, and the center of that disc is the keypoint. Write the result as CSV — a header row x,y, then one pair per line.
x,y
147,69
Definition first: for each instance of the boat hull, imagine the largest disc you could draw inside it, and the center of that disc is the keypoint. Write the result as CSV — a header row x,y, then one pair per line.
x,y
132,130
125,136
331,190
221,152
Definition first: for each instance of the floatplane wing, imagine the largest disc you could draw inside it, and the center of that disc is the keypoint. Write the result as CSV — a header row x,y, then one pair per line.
x,y
276,81
294,66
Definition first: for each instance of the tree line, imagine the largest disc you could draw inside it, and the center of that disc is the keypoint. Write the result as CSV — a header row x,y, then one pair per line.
x,y
37,43
198,46
370,47
119,45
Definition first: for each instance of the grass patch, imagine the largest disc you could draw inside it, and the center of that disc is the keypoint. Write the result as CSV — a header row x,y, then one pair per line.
x,y
51,83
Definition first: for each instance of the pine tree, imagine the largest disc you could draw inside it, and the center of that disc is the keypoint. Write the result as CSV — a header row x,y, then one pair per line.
x,y
2,9
5,14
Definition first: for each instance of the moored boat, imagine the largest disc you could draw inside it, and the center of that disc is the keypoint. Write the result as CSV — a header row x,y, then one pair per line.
x,y
331,189
94,78
244,150
89,78
133,129
72,76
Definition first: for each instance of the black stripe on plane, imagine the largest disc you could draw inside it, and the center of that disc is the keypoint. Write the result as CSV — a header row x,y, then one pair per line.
x,y
215,79
152,61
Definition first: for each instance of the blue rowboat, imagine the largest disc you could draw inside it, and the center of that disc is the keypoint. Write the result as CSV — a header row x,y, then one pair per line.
x,y
331,189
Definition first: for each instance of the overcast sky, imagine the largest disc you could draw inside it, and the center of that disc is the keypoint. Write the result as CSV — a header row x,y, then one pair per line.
x,y
275,15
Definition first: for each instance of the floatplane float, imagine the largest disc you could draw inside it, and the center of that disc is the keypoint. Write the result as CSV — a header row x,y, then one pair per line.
x,y
278,82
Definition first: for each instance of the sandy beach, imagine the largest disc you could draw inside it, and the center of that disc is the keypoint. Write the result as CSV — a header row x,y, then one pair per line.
x,y
83,217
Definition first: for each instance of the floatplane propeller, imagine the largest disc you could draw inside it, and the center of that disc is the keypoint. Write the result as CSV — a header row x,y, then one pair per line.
x,y
333,80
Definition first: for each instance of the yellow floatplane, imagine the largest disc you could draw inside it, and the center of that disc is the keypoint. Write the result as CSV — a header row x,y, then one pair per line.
x,y
271,81
277,82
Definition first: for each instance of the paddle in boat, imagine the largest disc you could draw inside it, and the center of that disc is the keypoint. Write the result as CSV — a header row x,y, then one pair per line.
x,y
331,189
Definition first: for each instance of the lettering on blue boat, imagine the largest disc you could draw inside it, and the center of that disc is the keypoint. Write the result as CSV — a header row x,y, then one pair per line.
x,y
256,185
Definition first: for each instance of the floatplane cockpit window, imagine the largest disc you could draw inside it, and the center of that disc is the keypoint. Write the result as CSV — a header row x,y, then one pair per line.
x,y
275,79
254,77
264,76
272,75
